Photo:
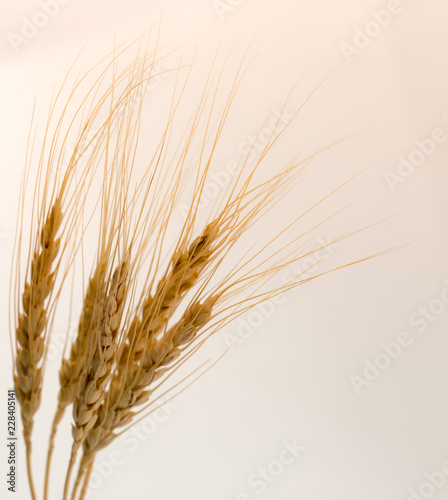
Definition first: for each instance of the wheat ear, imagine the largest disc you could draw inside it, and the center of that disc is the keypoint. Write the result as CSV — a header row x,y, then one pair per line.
x,y
184,270
31,327
101,359
135,366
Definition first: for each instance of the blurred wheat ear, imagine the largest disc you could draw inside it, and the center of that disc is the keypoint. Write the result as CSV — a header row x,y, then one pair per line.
x,y
151,300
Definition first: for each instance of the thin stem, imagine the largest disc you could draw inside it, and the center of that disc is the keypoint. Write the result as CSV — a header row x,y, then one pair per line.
x,y
79,478
86,479
28,465
81,471
57,418
75,448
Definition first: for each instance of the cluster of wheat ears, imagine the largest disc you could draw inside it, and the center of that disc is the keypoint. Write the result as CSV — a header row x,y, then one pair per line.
x,y
156,289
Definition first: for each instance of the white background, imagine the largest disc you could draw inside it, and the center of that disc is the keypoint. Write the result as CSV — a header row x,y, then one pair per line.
x,y
292,378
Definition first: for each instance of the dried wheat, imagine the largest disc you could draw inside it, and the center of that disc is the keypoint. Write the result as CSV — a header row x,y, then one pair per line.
x,y
101,359
31,330
156,359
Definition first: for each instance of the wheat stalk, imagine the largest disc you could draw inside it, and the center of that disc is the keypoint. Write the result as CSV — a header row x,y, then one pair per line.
x,y
99,370
32,326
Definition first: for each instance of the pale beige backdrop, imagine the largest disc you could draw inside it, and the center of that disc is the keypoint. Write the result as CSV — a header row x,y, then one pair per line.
x,y
340,391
